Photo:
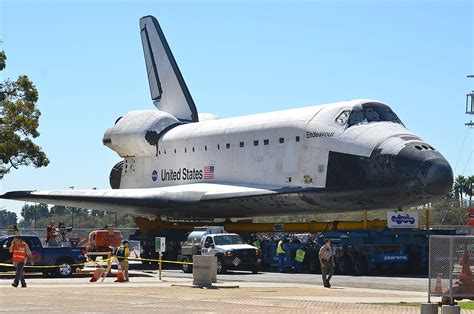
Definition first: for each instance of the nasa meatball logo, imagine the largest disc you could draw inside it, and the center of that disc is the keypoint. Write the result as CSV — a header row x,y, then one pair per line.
x,y
403,218
154,175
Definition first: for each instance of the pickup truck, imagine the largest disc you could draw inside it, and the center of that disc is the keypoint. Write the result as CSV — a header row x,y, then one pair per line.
x,y
230,249
64,257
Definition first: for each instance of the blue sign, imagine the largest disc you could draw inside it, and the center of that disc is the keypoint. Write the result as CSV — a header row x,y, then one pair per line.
x,y
154,175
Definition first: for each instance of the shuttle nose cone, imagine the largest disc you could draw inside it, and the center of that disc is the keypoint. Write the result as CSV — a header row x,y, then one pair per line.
x,y
439,178
429,171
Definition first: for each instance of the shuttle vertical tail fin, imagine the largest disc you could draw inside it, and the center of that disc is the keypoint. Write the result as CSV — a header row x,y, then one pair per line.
x,y
167,87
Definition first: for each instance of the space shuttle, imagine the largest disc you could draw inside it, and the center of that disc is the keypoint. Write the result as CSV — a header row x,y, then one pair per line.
x,y
176,163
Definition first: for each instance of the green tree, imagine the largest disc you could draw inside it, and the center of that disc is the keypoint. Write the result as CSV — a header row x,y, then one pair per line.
x,y
459,188
19,120
58,210
97,213
31,212
469,185
7,218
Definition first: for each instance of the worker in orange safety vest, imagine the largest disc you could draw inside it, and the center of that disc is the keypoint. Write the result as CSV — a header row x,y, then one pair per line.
x,y
20,252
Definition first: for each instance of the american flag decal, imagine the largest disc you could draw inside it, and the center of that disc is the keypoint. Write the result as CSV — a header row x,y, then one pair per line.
x,y
208,172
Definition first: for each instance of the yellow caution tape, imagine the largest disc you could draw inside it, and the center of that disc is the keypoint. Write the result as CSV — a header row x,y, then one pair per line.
x,y
157,260
32,266
104,260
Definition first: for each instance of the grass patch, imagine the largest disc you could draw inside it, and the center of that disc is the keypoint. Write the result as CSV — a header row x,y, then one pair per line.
x,y
463,305
466,305
414,304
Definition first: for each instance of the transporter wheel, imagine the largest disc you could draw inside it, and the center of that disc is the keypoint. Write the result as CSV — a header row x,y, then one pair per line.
x,y
186,267
220,266
314,266
360,266
149,254
344,265
414,263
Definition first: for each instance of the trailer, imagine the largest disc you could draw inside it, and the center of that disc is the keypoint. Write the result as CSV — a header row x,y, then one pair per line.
x,y
362,252
365,247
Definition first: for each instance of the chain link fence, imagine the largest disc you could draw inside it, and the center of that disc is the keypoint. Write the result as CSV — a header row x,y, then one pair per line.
x,y
451,261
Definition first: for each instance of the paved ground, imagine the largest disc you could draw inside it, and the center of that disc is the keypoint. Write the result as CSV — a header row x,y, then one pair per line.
x,y
390,283
256,293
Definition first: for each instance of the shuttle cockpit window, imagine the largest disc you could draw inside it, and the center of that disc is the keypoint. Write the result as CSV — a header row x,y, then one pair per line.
x,y
372,112
343,117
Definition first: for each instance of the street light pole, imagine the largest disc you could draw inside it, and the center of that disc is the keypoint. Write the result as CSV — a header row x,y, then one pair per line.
x,y
72,210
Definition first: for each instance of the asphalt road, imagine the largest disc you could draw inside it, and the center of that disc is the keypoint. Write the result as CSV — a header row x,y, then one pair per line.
x,y
389,283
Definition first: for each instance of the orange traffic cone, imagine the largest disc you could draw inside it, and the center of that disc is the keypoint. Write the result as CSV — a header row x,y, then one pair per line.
x,y
438,289
99,272
119,274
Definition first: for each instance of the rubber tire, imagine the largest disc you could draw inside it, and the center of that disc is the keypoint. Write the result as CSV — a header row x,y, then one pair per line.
x,y
220,266
314,266
360,266
344,265
65,270
187,268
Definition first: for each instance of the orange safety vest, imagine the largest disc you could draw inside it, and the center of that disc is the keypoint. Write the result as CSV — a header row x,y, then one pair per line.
x,y
19,254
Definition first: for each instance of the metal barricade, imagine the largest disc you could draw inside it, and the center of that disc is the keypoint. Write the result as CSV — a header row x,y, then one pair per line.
x,y
451,260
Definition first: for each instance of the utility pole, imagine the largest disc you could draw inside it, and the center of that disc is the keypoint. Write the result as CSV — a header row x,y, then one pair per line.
x,y
72,210
470,105
470,124
470,112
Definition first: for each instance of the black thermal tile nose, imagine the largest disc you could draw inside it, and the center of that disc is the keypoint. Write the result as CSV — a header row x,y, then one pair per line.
x,y
439,178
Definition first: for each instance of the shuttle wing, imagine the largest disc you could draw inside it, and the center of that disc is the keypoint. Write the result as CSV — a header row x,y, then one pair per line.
x,y
167,87
175,201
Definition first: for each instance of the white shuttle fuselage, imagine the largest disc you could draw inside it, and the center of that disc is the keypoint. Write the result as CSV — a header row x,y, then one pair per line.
x,y
288,148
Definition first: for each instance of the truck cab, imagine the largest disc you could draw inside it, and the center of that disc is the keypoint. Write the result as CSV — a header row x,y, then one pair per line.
x,y
230,249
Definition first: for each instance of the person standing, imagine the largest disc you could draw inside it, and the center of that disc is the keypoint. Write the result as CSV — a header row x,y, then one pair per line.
x,y
123,253
20,253
256,242
299,258
51,232
326,259
281,256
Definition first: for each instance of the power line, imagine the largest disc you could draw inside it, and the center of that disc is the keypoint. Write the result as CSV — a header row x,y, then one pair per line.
x,y
462,147
467,163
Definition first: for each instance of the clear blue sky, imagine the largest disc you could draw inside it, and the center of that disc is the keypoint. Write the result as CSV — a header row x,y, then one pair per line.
x,y
237,58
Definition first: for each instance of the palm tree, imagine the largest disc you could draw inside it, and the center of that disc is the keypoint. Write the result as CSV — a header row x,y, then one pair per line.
x,y
470,187
459,188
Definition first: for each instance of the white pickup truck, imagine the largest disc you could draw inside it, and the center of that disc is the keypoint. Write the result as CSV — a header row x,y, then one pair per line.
x,y
230,249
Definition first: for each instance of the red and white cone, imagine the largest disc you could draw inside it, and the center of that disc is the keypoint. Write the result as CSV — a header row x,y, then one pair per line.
x,y
438,289
119,274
